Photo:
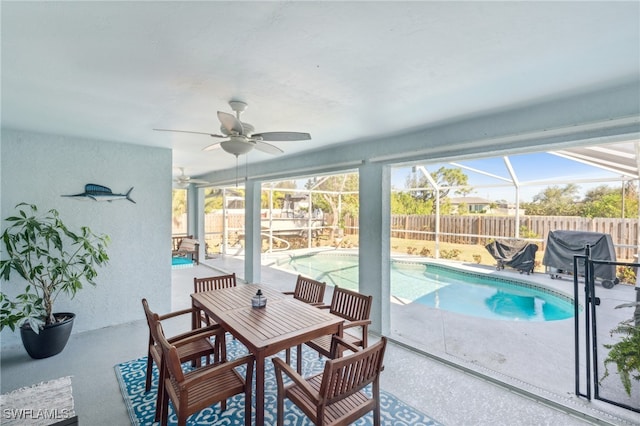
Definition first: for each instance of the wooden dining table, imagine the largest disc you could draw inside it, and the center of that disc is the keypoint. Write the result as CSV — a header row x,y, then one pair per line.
x,y
283,323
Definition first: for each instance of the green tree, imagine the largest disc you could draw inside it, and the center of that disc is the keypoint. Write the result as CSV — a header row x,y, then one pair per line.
x,y
178,209
405,203
555,201
606,201
212,200
340,196
446,179
278,196
463,209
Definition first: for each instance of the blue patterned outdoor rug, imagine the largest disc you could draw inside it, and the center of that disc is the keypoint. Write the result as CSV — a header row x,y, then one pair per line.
x,y
141,405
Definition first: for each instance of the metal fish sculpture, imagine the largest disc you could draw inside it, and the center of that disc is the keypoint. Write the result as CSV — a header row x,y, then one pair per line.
x,y
100,193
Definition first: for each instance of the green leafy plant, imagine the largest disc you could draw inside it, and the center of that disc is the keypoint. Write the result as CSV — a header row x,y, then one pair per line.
x,y
625,354
450,254
51,258
525,232
626,274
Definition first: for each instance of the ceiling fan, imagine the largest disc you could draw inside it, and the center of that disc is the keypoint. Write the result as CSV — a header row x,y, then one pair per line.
x,y
183,181
240,135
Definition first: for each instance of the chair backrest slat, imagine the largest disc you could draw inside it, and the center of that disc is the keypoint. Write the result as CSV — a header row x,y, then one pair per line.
x,y
349,374
309,290
153,319
157,336
148,313
214,283
169,354
350,305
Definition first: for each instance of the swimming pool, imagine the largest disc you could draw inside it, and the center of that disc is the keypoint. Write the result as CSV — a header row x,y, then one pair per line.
x,y
445,288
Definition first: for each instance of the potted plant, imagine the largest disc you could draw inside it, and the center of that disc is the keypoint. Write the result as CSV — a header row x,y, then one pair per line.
x,y
625,354
51,259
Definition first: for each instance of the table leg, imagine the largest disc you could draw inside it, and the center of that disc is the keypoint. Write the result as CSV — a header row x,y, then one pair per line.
x,y
195,323
195,317
259,389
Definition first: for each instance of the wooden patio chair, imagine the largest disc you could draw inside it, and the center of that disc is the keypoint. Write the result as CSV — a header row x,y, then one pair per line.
x,y
355,308
334,397
308,291
198,389
191,346
213,283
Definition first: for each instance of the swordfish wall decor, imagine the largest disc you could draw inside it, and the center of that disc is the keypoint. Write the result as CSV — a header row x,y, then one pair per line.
x,y
96,192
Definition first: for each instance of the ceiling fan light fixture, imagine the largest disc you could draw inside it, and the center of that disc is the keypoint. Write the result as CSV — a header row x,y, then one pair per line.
x,y
242,138
237,146
247,130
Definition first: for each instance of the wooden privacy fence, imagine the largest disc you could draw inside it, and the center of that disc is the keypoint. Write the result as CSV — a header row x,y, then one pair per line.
x,y
476,229
480,229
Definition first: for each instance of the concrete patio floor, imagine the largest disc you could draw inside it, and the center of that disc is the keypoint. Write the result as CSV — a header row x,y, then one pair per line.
x,y
450,383
534,359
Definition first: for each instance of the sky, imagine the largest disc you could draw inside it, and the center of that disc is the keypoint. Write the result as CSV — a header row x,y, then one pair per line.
x,y
542,168
548,168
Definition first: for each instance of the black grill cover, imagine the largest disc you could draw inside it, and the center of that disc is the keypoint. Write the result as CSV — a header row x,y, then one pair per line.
x,y
563,245
515,254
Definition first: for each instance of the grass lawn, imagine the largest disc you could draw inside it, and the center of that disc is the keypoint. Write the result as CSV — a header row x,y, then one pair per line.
x,y
472,253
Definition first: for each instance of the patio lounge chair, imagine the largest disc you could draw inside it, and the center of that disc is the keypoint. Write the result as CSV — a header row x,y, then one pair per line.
x,y
186,247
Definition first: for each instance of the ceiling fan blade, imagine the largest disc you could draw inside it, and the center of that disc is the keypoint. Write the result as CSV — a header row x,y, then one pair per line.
x,y
282,136
229,122
268,148
186,180
213,135
213,146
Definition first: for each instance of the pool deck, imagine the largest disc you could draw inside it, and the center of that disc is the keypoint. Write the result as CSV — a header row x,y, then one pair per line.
x,y
532,359
511,374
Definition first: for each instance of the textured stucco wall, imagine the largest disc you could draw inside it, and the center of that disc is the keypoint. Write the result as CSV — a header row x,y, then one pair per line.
x,y
39,168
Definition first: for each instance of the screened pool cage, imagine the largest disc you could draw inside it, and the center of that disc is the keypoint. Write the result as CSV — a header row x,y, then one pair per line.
x,y
289,219
305,218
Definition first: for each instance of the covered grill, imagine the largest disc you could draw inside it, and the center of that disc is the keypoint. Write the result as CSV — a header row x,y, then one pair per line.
x,y
516,254
562,246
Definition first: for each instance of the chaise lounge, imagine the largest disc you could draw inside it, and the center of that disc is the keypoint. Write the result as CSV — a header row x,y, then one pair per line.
x,y
186,246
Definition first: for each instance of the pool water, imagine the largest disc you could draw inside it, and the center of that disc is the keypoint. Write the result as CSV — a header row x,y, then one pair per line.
x,y
445,288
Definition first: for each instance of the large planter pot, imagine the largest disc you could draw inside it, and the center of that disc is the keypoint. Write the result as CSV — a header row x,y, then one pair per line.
x,y
52,338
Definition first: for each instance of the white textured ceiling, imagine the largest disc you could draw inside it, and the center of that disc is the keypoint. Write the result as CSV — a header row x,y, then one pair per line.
x,y
342,71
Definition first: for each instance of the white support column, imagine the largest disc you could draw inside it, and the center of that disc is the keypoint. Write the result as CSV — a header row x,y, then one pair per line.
x,y
436,188
374,257
516,185
252,238
224,245
195,217
193,214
